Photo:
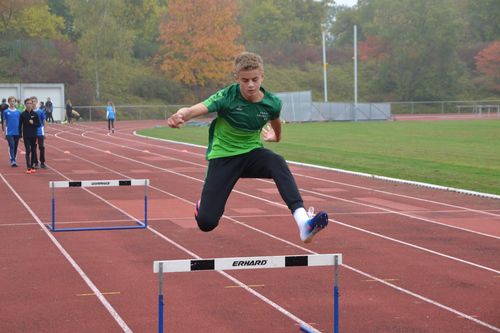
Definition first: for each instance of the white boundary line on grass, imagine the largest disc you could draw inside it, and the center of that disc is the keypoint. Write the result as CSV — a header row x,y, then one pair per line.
x,y
362,174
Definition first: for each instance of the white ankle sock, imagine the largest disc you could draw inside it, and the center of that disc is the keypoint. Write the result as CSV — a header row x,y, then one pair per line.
x,y
300,216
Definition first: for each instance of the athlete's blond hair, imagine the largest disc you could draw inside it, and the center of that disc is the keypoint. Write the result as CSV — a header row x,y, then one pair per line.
x,y
248,61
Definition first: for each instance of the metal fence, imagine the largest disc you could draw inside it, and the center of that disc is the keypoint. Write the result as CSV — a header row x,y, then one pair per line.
x,y
351,112
458,107
127,112
299,107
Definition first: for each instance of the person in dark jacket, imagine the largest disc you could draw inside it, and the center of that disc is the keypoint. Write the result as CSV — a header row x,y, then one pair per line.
x,y
28,131
40,141
49,107
4,106
69,111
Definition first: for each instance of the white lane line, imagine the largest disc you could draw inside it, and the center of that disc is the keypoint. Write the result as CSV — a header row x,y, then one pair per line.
x,y
362,174
463,315
284,206
346,184
342,199
73,263
411,216
425,299
485,212
192,254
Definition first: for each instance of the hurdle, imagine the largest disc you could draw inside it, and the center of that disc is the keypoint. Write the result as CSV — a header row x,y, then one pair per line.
x,y
99,183
223,264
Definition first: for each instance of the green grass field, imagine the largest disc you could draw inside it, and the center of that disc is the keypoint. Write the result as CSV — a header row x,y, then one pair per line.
x,y
461,154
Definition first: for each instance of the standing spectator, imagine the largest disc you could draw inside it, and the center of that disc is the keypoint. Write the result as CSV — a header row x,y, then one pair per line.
x,y
69,111
28,124
42,107
110,116
49,107
12,117
40,133
4,106
19,105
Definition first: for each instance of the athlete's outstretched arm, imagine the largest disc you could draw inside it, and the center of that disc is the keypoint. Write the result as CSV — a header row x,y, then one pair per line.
x,y
184,114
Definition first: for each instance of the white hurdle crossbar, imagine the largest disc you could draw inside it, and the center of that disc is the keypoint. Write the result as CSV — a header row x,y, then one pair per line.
x,y
100,183
223,264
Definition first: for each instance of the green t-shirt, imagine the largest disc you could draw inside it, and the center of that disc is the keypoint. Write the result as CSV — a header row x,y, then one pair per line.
x,y
236,130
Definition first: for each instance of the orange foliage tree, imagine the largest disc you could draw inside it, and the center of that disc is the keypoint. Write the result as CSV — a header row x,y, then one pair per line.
x,y
374,48
199,40
488,64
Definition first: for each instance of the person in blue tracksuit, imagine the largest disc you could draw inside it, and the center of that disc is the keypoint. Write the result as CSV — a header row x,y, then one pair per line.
x,y
10,126
111,116
27,130
40,133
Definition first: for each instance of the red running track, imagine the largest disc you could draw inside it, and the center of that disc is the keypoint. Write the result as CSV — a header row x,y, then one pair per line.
x,y
415,259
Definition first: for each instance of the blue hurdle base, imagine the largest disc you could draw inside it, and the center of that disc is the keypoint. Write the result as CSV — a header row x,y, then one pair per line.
x,y
305,328
141,225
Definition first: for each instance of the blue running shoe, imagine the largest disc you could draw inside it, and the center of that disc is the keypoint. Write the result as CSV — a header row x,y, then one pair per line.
x,y
314,225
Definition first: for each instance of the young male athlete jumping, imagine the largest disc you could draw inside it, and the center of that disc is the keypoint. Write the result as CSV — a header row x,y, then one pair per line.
x,y
235,149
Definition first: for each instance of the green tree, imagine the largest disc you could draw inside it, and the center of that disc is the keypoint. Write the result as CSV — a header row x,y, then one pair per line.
x,y
60,8
483,19
105,56
277,22
37,21
342,27
423,37
9,9
143,16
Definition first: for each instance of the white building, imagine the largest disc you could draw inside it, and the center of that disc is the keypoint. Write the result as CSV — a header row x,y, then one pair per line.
x,y
41,90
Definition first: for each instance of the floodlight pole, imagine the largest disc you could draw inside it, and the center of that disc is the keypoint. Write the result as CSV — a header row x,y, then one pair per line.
x,y
325,84
355,68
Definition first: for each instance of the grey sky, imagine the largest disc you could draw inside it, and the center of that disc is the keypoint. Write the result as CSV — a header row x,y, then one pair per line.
x,y
346,2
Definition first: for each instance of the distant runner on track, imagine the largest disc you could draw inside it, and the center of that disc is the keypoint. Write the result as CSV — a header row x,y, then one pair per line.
x,y
235,150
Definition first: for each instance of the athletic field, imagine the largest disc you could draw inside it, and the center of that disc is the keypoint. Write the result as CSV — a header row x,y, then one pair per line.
x,y
414,258
451,153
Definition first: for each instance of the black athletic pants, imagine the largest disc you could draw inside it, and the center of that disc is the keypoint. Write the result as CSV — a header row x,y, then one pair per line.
x,y
41,146
223,173
30,147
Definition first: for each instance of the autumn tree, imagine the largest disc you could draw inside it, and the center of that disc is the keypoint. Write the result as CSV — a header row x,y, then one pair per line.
x,y
488,64
38,21
9,9
373,48
199,41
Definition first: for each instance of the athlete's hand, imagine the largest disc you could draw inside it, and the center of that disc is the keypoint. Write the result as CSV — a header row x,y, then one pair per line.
x,y
268,134
176,120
